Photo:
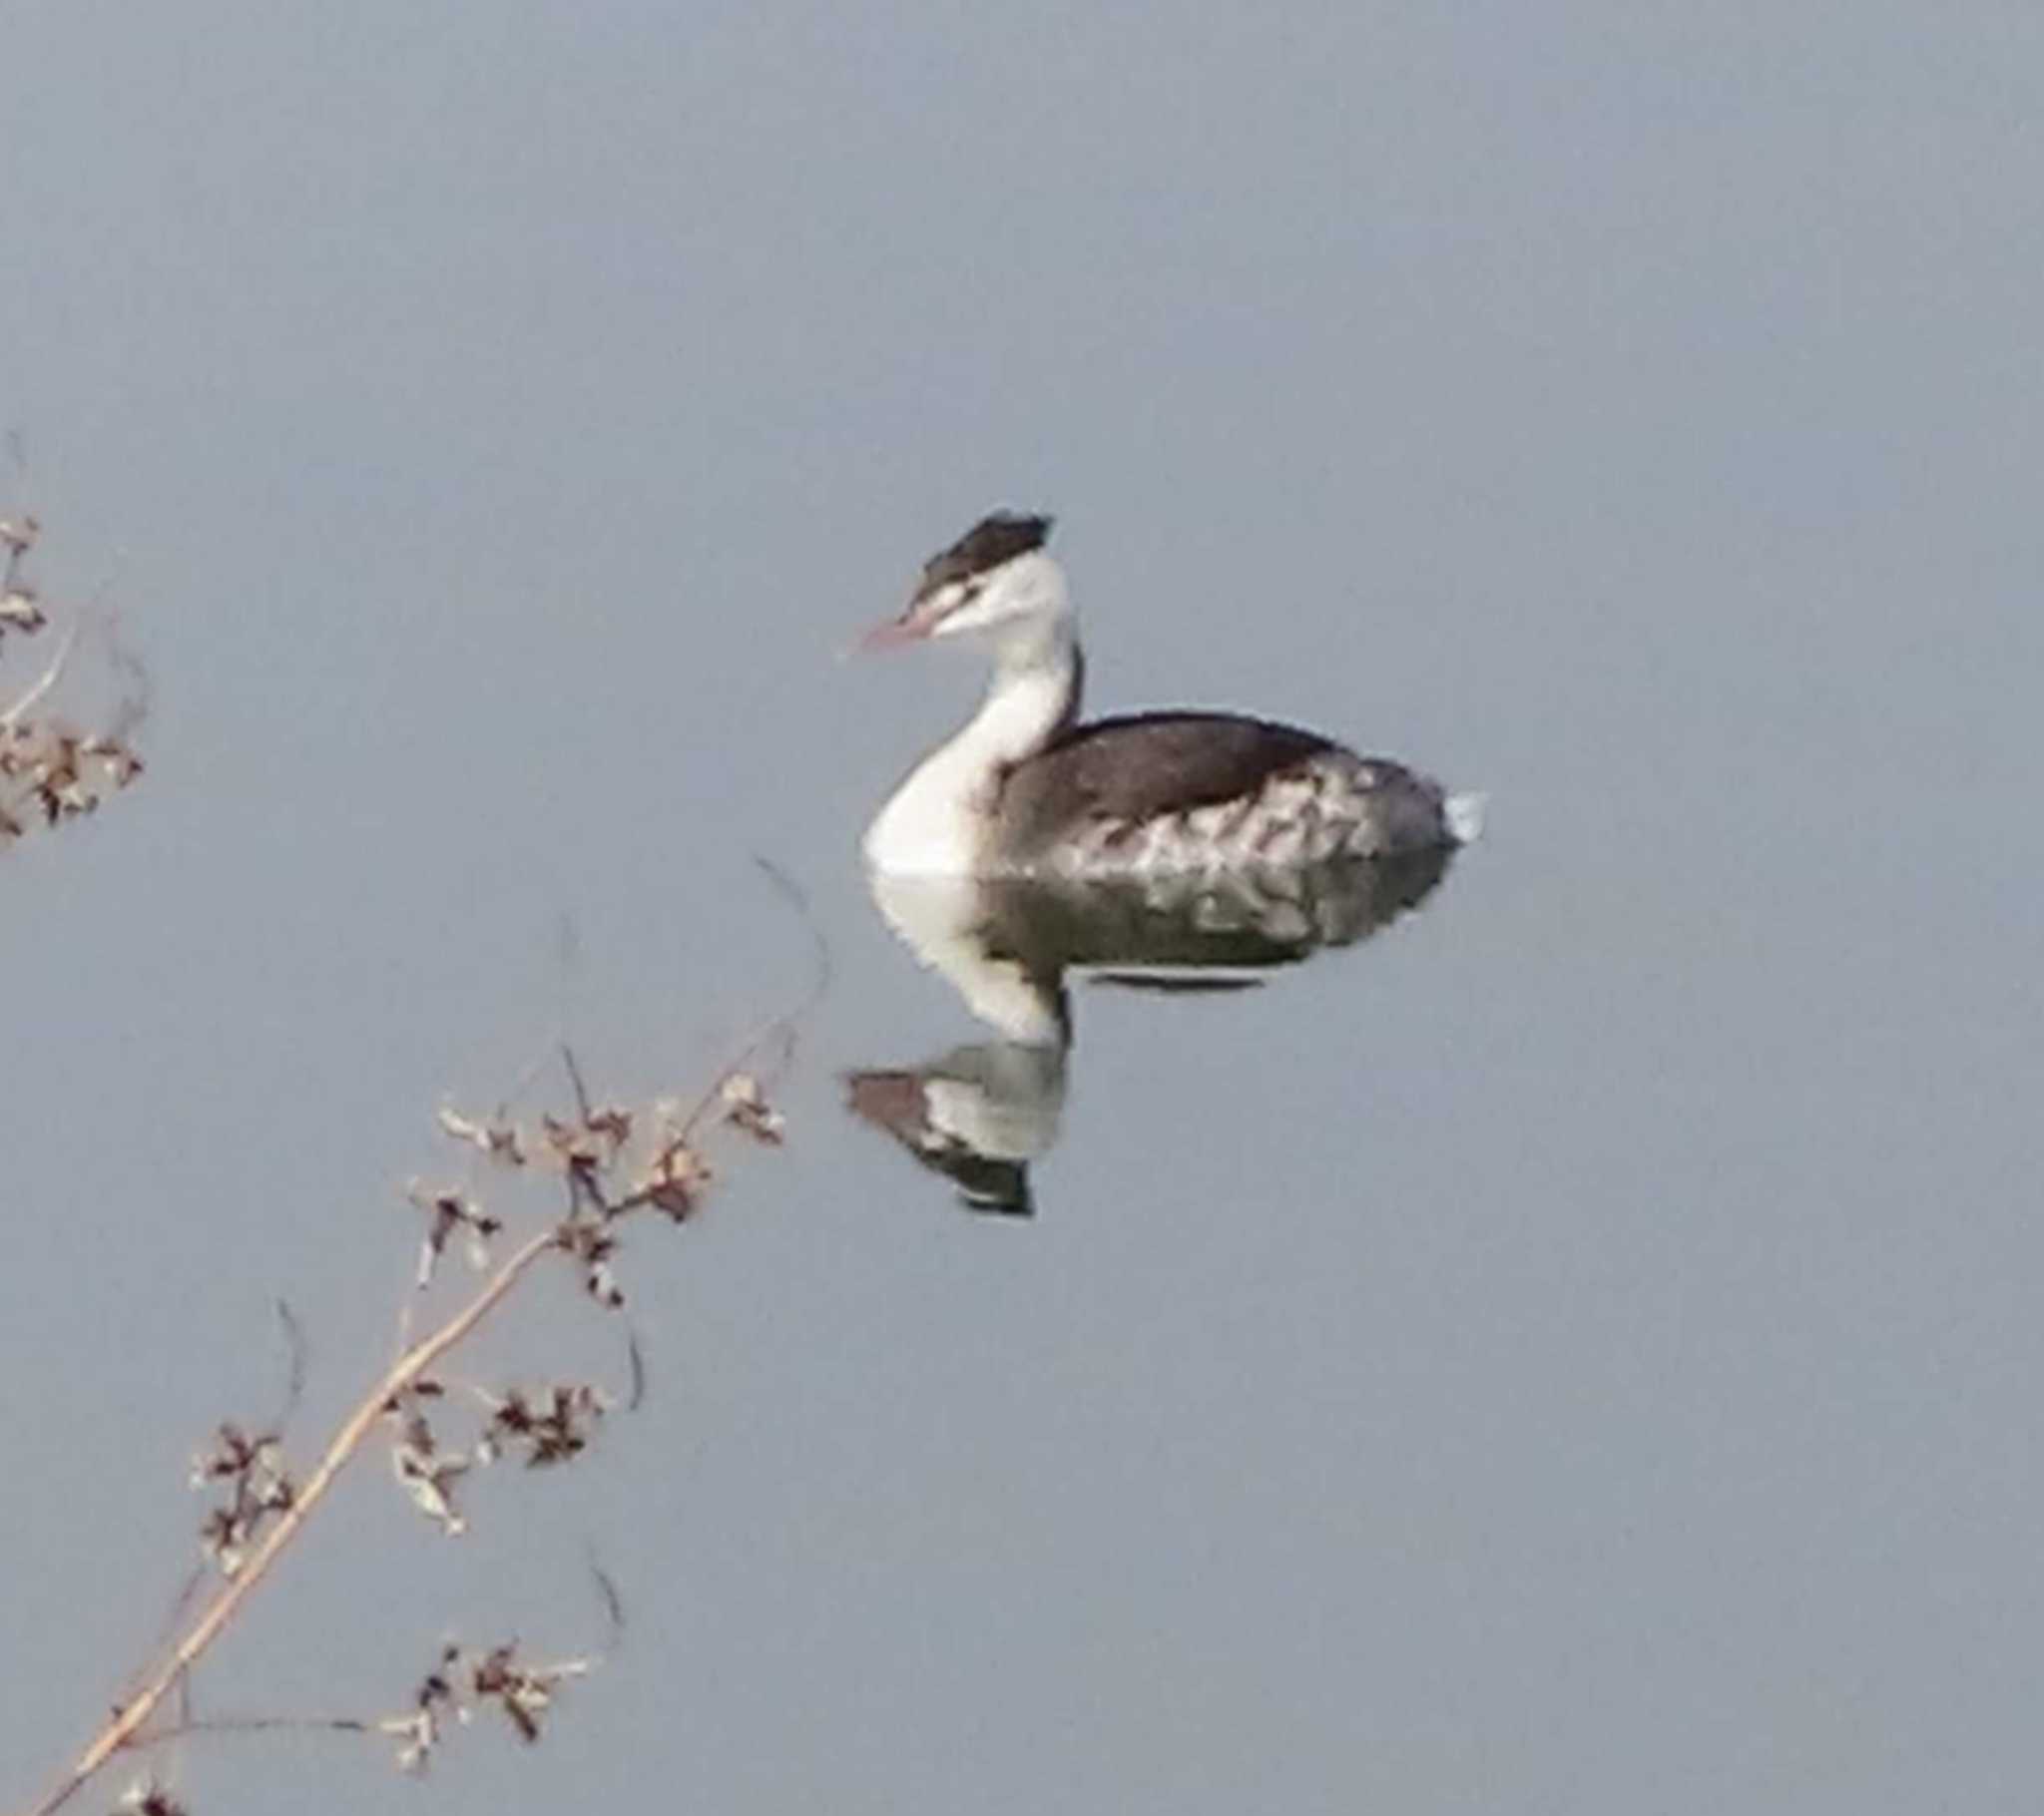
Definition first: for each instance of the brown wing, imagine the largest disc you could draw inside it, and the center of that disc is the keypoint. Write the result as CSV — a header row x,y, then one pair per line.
x,y
1136,768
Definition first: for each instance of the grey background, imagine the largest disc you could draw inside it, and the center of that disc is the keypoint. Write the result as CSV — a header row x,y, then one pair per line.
x,y
1577,1353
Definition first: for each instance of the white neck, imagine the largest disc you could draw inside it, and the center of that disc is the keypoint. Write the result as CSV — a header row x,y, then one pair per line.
x,y
938,820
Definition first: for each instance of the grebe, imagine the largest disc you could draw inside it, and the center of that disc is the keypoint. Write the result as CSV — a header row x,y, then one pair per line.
x,y
1026,789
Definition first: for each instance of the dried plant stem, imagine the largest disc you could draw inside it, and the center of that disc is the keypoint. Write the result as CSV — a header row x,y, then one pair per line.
x,y
259,1724
125,1727
43,682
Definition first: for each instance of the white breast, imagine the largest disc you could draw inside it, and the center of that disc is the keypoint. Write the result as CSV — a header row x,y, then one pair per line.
x,y
924,831
941,820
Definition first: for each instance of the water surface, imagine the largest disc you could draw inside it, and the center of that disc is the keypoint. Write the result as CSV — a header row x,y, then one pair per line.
x,y
1572,1350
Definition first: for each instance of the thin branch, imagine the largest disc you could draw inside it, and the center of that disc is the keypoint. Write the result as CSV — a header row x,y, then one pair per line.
x,y
296,1349
575,1079
781,1027
128,1722
613,1601
42,685
259,1724
797,899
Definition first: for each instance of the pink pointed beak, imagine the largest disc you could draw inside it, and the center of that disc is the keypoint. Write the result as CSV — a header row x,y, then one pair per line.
x,y
911,626
891,634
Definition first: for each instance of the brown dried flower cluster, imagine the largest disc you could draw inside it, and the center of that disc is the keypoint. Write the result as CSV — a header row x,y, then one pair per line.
x,y
259,1488
50,770
614,1162
551,1425
746,1108
446,1212
462,1681
427,1469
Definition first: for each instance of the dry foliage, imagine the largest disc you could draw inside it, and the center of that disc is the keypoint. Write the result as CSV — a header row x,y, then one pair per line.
x,y
51,769
613,1168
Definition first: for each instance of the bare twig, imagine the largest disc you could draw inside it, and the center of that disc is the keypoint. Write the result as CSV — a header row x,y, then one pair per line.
x,y
611,1163
128,1722
780,1028
259,1724
613,1601
575,1079
294,1334
42,684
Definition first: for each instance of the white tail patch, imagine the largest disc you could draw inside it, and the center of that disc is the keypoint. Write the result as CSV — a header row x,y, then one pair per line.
x,y
1464,814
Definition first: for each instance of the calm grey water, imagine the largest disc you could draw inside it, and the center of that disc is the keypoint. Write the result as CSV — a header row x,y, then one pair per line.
x,y
1574,1351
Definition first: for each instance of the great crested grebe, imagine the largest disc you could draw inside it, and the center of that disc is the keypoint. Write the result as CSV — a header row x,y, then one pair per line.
x,y
1024,788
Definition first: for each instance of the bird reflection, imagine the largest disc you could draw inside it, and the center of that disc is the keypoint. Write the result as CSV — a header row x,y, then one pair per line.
x,y
981,1113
